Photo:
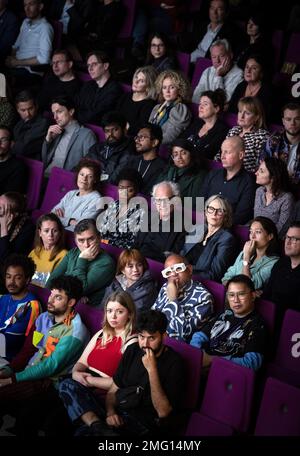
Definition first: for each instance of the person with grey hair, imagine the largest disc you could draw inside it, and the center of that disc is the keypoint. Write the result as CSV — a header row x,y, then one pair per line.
x,y
223,74
165,233
94,267
216,251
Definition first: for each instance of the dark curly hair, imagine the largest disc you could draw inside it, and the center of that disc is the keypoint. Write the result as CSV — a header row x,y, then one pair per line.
x,y
71,285
24,262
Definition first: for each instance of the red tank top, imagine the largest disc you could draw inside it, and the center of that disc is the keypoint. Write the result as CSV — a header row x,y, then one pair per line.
x,y
106,358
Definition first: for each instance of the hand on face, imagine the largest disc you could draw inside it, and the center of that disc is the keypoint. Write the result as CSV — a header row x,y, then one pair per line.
x,y
224,67
173,288
248,249
149,359
91,252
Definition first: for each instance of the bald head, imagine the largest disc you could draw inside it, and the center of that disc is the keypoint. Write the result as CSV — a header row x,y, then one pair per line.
x,y
232,153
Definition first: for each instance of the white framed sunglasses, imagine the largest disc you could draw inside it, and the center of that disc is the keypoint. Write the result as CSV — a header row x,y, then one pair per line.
x,y
178,267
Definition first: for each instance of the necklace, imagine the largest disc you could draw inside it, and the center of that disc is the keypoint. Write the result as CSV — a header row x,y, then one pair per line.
x,y
146,170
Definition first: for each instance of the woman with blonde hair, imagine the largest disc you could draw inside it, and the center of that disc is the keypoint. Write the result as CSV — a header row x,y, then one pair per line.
x,y
216,251
134,277
48,247
171,114
98,363
251,127
136,106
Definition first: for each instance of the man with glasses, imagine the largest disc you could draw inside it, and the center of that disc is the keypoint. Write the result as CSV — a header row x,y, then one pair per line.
x,y
61,82
283,287
184,301
165,233
99,95
13,173
114,153
147,162
238,334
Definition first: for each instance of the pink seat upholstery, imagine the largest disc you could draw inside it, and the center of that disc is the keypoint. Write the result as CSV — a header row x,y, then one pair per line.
x,y
200,425
99,132
200,66
35,179
217,290
184,62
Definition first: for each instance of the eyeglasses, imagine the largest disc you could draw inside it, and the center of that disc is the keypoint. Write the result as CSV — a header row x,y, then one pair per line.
x,y
4,140
214,210
239,294
292,239
162,201
157,45
177,268
141,137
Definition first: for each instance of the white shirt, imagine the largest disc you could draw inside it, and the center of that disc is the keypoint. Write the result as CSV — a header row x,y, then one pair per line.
x,y
205,43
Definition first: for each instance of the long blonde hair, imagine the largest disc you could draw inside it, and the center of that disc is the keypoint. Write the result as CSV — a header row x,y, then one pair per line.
x,y
126,301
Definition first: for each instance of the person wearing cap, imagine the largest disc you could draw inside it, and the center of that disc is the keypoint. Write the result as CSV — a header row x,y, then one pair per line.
x,y
186,170
184,301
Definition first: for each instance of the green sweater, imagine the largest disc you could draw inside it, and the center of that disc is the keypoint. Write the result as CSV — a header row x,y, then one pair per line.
x,y
189,183
95,275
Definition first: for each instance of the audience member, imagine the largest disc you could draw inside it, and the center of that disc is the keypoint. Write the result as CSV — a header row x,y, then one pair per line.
x,y
254,85
19,307
187,169
137,105
61,82
134,277
53,345
48,247
208,131
158,370
259,254
159,53
167,235
147,162
172,114
9,29
121,221
98,363
32,48
83,202
31,129
273,198
16,227
223,74
100,95
233,182
66,142
114,153
251,127
286,144
284,283
13,173
239,334
184,301
94,267
216,251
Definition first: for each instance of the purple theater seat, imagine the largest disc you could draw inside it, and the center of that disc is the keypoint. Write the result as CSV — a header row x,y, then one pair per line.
x,y
217,290
110,190
279,413
91,317
126,87
83,77
58,33
267,309
60,182
164,151
241,232
200,66
111,249
228,394
230,119
200,425
213,164
99,132
286,366
184,62
35,178
292,53
156,267
192,357
42,294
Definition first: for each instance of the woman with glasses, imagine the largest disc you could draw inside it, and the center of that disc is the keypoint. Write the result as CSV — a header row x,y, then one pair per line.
x,y
134,277
136,106
259,254
121,221
273,198
171,114
187,169
239,334
208,131
216,251
159,54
